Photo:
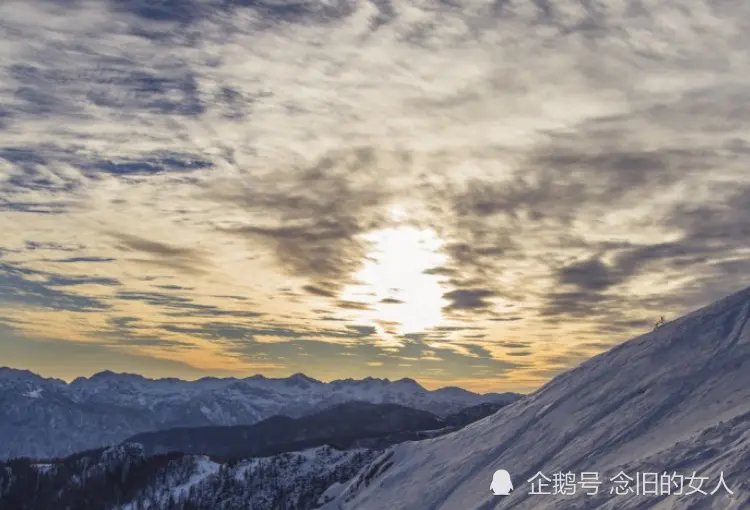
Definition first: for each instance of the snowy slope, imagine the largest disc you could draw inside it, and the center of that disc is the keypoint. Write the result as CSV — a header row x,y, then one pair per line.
x,y
675,400
47,417
122,478
291,480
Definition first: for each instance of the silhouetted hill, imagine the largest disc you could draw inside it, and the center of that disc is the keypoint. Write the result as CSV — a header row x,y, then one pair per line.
x,y
340,426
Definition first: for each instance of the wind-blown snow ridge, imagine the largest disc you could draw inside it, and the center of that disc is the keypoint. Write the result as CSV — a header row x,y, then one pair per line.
x,y
675,400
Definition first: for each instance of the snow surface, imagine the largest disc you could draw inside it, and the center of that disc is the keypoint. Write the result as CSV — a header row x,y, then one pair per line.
x,y
676,400
36,393
293,473
204,467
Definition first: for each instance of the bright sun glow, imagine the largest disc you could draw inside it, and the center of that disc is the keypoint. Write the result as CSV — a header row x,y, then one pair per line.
x,y
394,282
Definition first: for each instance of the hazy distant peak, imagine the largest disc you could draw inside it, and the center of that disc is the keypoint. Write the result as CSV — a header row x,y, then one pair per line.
x,y
14,373
300,377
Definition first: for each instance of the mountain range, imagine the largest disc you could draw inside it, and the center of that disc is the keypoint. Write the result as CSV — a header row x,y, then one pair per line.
x,y
343,426
294,462
46,418
659,422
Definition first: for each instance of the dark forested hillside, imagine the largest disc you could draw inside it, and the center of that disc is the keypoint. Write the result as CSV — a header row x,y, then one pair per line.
x,y
122,478
279,464
340,426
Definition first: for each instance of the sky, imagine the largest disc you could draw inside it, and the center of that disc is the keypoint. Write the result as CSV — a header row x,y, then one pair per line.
x,y
470,193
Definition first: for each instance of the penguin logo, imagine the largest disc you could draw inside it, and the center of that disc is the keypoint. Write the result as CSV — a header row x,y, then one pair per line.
x,y
501,483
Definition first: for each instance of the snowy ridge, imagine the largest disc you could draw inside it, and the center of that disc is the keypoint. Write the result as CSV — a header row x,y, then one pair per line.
x,y
159,497
297,480
122,479
675,400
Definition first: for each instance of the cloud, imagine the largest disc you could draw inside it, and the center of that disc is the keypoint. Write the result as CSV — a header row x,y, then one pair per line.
x,y
74,260
582,168
23,286
391,301
469,299
325,208
590,274
317,291
187,260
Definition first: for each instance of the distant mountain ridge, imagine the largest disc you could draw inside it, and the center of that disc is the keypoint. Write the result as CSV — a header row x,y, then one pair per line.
x,y
361,424
280,463
45,418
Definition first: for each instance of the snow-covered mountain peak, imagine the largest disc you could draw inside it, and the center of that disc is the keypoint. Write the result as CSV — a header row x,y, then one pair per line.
x,y
406,381
302,380
675,400
17,375
108,407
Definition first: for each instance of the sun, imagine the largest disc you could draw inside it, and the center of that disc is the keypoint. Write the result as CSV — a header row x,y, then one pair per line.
x,y
395,280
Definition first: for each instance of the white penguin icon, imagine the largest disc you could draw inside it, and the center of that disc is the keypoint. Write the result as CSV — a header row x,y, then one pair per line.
x,y
501,483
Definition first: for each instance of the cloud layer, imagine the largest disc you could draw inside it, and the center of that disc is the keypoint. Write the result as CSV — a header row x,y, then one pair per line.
x,y
473,192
